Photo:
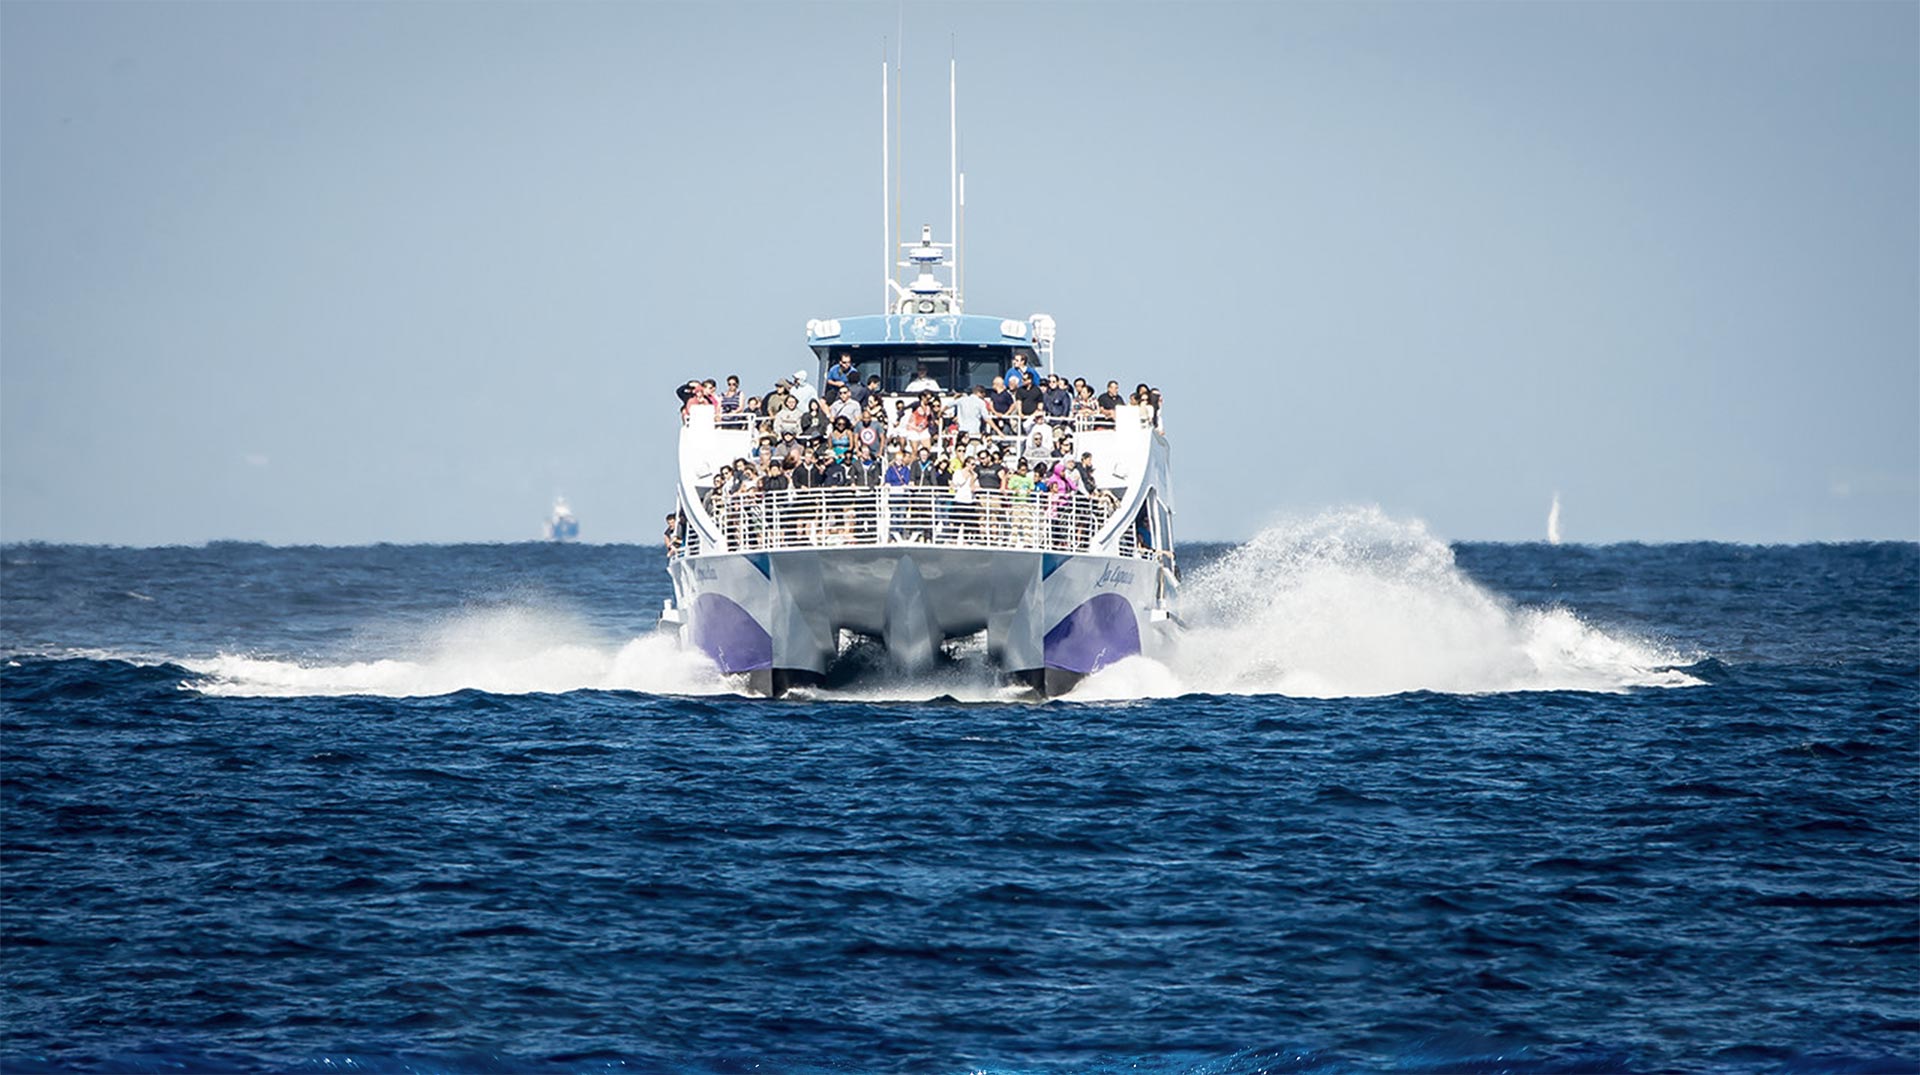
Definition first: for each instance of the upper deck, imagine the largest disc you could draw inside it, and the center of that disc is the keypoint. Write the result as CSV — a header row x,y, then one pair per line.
x,y
897,390
1127,509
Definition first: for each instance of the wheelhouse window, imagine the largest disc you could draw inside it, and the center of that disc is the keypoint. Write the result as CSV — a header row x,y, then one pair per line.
x,y
952,367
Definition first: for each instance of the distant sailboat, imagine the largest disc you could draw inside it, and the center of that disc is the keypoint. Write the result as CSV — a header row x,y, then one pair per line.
x,y
1553,521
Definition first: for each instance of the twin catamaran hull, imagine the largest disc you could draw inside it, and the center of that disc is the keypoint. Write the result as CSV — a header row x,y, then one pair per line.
x,y
1049,618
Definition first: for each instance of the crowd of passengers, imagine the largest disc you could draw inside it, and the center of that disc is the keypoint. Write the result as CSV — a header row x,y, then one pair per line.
x,y
1013,439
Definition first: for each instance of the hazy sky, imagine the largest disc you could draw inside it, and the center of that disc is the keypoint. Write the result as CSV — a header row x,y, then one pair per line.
x,y
356,272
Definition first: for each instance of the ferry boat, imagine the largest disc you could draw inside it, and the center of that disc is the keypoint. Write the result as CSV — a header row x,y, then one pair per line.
x,y
775,585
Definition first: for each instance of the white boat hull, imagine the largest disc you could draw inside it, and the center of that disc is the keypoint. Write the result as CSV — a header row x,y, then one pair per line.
x,y
1049,618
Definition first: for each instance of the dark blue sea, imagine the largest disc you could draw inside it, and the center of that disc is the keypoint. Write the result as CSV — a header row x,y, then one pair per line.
x,y
1398,805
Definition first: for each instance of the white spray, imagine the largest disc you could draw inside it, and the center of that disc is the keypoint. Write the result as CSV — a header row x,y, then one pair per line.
x,y
1353,603
503,651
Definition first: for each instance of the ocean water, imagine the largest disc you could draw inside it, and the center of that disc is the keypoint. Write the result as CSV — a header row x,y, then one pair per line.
x,y
1398,805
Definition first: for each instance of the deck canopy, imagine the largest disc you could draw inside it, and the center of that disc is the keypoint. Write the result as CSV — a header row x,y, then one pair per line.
x,y
958,350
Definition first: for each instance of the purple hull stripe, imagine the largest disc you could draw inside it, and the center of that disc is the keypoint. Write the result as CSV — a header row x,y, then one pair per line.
x,y
1101,631
725,632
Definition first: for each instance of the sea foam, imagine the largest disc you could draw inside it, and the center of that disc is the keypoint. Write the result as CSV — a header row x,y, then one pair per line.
x,y
502,651
1355,603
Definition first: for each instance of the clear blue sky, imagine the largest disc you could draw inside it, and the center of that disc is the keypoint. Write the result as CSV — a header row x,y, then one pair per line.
x,y
355,272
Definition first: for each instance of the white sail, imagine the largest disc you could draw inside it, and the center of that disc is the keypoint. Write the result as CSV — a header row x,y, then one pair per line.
x,y
1553,521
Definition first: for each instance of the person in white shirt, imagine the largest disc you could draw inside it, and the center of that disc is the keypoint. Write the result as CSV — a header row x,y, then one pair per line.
x,y
803,391
1039,442
845,407
922,382
970,411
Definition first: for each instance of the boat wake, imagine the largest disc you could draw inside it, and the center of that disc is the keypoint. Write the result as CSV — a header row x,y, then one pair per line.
x,y
1348,604
1354,603
500,651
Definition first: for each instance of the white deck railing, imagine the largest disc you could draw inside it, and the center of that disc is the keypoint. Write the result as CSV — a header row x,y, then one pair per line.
x,y
1079,421
908,515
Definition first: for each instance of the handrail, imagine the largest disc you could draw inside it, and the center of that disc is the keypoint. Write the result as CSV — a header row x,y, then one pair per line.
x,y
887,515
1079,420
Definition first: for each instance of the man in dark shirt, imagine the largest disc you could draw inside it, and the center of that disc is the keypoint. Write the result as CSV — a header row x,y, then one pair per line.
x,y
989,471
864,392
1058,400
1000,400
865,469
776,479
927,470
1086,473
833,475
1031,396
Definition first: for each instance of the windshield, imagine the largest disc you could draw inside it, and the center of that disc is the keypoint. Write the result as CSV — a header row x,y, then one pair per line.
x,y
949,367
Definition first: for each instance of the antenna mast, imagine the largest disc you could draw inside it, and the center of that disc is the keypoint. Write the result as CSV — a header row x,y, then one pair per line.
x,y
899,162
953,166
886,226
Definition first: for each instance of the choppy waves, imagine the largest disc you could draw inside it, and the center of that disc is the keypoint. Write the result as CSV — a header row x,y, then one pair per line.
x,y
256,864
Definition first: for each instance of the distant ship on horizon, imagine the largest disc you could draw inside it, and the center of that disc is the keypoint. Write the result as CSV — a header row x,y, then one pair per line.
x,y
562,525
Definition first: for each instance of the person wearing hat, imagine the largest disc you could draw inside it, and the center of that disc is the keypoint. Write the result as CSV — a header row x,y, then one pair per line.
x,y
777,397
803,391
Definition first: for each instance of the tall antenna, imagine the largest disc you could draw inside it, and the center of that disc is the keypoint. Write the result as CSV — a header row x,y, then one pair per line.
x,y
899,162
886,228
953,166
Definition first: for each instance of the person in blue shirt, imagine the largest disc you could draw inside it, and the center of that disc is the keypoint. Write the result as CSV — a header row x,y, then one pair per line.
x,y
898,472
841,375
1020,373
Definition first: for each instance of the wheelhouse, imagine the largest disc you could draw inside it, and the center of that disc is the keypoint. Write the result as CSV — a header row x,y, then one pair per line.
x,y
897,365
958,351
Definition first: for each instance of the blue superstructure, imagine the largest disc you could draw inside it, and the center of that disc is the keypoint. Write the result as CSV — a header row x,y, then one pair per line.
x,y
956,350
920,329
